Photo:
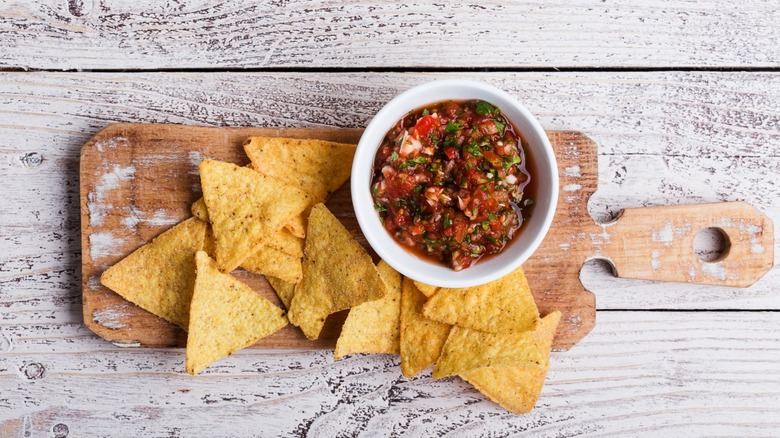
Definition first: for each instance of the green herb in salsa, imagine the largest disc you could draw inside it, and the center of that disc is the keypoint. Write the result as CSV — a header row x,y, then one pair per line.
x,y
449,182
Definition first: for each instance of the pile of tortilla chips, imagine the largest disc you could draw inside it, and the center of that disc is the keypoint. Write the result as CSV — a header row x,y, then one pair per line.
x,y
489,335
252,217
269,218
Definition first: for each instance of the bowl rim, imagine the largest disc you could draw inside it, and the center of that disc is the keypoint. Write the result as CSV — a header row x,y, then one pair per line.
x,y
366,152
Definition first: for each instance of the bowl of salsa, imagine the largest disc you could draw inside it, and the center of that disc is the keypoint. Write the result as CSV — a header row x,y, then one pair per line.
x,y
454,183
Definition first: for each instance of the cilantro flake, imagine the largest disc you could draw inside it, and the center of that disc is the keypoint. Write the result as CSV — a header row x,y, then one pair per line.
x,y
483,108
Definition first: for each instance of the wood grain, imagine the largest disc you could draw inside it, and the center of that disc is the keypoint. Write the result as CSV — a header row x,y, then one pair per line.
x,y
146,34
673,149
665,138
637,373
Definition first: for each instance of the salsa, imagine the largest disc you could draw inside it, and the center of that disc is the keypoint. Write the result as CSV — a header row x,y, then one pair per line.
x,y
449,181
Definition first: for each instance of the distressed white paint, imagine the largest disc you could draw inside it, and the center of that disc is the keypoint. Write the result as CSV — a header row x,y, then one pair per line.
x,y
146,34
111,317
637,373
103,245
696,137
107,182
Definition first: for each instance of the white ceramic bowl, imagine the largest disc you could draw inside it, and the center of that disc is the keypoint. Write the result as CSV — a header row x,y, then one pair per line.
x,y
522,245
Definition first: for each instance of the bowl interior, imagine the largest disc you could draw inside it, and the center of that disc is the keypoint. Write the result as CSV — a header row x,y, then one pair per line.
x,y
533,231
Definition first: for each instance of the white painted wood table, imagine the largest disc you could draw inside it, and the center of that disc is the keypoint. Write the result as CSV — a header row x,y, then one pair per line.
x,y
683,99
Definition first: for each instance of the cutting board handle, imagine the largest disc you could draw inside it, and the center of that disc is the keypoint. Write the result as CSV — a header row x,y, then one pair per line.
x,y
657,243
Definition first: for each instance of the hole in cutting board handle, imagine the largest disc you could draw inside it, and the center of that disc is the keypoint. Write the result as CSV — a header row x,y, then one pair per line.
x,y
711,244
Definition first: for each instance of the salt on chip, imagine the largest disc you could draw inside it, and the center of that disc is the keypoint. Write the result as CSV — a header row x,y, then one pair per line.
x,y
502,305
316,166
272,262
245,209
159,276
226,315
283,240
421,338
427,289
374,326
514,388
338,274
284,290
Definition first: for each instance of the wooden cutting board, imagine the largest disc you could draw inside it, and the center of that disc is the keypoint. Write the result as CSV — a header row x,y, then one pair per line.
x,y
138,180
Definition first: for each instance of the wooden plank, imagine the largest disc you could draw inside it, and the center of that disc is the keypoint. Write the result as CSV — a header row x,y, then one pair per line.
x,y
637,373
146,34
696,137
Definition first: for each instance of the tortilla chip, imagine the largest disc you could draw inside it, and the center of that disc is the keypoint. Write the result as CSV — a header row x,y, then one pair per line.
x,y
374,326
283,289
270,261
199,210
315,166
160,276
426,289
499,306
246,209
338,274
283,240
421,338
297,226
226,315
516,389
468,349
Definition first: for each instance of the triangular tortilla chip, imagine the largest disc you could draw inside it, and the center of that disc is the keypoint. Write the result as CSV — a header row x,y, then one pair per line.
x,y
315,166
374,326
245,209
468,349
338,274
226,315
297,225
270,261
283,289
516,389
499,306
421,338
199,210
283,240
426,289
160,276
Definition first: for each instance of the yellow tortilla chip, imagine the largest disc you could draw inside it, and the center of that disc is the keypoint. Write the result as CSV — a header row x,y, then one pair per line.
x,y
245,209
468,349
226,315
283,240
499,306
297,226
374,326
516,389
283,289
421,338
159,276
338,274
315,166
269,261
426,289
199,210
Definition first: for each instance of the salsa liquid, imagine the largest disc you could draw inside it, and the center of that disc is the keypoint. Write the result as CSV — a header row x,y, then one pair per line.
x,y
452,182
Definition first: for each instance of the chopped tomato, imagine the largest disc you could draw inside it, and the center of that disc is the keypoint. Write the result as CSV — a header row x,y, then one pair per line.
x,y
443,184
425,125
